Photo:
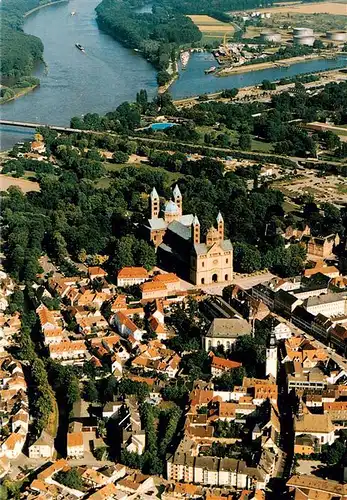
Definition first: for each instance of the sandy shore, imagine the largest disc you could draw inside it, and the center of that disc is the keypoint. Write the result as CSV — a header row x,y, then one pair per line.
x,y
267,65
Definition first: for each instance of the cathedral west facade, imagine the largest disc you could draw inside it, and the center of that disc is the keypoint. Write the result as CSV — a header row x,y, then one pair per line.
x,y
182,248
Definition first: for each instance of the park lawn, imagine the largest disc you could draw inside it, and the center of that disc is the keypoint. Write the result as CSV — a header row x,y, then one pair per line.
x,y
264,147
115,167
290,207
103,183
204,129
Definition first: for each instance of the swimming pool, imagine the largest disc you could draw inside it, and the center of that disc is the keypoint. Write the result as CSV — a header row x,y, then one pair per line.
x,y
162,126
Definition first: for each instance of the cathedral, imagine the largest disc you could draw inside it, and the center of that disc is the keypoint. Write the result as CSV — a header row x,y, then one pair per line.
x,y
177,240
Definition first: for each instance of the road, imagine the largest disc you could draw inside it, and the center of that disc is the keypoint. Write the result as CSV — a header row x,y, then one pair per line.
x,y
269,157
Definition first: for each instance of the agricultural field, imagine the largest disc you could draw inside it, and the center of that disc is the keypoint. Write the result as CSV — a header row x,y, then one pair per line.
x,y
336,8
212,28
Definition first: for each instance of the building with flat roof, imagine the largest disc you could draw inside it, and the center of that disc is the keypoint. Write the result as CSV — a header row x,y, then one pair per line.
x,y
329,304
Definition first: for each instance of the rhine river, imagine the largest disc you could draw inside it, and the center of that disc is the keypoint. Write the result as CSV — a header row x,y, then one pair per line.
x,y
74,83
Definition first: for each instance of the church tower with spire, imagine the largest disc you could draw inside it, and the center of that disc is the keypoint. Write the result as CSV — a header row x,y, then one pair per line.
x,y
155,204
196,231
220,226
177,196
271,357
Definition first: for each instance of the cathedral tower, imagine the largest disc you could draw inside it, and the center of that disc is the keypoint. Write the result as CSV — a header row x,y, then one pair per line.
x,y
155,204
178,198
196,231
220,225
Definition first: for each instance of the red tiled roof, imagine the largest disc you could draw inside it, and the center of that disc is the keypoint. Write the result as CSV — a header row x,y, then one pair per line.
x,y
133,272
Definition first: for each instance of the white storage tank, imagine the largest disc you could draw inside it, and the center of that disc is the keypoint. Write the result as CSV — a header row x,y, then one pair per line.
x,y
270,36
304,40
297,32
337,36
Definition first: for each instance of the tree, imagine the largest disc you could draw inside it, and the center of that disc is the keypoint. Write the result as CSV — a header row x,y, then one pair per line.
x,y
71,479
245,142
251,353
144,254
163,77
333,454
197,364
247,258
267,85
16,301
90,391
228,380
124,252
120,157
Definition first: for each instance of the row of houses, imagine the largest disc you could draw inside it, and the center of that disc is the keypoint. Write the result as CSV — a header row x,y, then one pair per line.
x,y
14,410
207,407
108,482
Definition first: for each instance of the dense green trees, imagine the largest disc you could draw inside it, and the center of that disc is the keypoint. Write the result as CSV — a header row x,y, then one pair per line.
x,y
156,35
19,51
228,380
70,478
64,382
161,430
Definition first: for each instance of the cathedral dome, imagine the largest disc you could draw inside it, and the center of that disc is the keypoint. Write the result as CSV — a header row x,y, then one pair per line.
x,y
171,208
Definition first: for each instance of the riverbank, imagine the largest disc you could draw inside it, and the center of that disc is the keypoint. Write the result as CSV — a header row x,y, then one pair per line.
x,y
172,70
39,7
20,93
268,65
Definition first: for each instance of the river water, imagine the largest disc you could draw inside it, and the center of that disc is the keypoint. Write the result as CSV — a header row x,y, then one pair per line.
x,y
193,80
74,83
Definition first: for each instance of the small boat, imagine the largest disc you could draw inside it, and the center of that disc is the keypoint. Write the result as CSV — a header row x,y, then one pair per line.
x,y
73,13
212,69
80,47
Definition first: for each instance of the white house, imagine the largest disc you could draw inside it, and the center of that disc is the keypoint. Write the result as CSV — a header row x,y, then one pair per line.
x,y
129,276
13,445
75,447
43,447
126,326
69,351
281,330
